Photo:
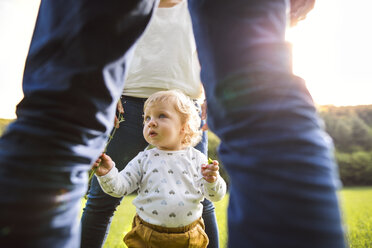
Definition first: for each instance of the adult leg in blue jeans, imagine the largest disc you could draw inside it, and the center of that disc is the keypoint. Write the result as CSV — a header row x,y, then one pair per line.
x,y
126,144
282,173
64,118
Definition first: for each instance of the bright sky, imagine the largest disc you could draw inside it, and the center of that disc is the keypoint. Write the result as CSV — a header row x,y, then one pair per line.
x,y
332,51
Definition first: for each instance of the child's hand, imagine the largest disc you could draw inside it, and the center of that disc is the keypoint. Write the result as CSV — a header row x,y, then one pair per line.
x,y
210,171
103,165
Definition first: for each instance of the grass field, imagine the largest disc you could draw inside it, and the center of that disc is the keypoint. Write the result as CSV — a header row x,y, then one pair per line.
x,y
356,207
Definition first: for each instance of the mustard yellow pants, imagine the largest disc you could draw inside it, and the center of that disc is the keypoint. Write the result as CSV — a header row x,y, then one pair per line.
x,y
146,235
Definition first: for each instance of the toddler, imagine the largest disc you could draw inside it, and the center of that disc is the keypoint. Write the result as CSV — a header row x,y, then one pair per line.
x,y
172,178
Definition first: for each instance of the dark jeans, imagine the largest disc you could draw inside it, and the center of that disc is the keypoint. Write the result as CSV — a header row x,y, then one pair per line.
x,y
126,144
283,175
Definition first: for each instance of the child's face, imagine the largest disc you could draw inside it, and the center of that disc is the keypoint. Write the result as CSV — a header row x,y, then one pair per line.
x,y
163,127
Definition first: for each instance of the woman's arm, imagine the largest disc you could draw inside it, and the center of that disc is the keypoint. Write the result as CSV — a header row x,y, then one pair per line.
x,y
168,3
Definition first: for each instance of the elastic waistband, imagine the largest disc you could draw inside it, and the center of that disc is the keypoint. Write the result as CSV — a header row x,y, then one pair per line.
x,y
171,229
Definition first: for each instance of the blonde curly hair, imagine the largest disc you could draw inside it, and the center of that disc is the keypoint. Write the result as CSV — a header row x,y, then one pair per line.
x,y
186,108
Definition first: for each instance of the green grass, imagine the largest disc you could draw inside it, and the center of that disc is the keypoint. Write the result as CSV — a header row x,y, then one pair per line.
x,y
357,211
356,207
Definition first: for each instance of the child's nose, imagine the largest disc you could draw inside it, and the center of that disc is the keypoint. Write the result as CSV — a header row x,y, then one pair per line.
x,y
152,123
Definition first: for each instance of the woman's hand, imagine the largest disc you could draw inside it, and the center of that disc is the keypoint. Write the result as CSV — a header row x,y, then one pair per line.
x,y
299,10
120,109
168,3
204,115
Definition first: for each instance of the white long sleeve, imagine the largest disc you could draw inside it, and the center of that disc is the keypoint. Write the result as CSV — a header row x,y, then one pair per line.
x,y
120,184
214,191
170,186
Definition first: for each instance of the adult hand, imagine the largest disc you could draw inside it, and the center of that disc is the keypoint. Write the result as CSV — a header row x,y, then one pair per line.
x,y
120,109
299,10
204,115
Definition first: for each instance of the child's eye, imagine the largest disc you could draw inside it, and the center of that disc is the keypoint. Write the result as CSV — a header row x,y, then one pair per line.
x,y
162,116
147,118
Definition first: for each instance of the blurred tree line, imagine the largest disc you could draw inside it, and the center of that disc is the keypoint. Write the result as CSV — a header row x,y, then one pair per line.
x,y
351,130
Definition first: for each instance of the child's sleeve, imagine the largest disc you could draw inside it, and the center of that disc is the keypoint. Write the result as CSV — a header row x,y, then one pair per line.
x,y
119,184
214,191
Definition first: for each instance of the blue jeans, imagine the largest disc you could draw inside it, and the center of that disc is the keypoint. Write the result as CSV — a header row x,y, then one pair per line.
x,y
283,176
126,144
65,117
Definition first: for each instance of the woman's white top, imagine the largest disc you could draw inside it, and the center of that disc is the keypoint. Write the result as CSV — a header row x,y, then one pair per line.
x,y
165,56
